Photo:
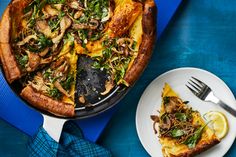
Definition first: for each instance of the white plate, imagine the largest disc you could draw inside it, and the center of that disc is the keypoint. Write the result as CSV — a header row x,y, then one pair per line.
x,y
151,100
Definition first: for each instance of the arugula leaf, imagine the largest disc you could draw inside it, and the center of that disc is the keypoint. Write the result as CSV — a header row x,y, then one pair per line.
x,y
55,93
177,133
68,82
43,42
192,140
181,116
54,23
22,60
96,65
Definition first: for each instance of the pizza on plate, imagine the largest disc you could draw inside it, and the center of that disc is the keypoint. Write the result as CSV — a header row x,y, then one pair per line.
x,y
41,40
181,130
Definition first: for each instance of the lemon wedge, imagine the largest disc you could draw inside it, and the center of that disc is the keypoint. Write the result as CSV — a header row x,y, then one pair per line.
x,y
219,123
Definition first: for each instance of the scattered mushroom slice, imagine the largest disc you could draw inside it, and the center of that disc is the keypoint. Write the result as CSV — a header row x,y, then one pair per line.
x,y
75,5
38,83
58,6
82,99
78,14
51,11
80,26
43,27
46,60
93,24
61,89
108,85
64,25
44,52
34,61
26,40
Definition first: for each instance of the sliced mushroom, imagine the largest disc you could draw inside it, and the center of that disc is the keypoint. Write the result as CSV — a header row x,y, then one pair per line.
x,y
80,26
75,5
64,25
59,62
173,105
165,123
78,14
46,60
44,52
82,99
61,89
108,86
26,40
93,24
34,61
58,6
43,27
38,83
51,11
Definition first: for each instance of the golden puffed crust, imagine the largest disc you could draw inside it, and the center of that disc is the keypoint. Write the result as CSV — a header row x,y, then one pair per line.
x,y
147,44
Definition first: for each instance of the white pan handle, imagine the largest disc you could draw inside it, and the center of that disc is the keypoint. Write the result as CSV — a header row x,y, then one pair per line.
x,y
53,126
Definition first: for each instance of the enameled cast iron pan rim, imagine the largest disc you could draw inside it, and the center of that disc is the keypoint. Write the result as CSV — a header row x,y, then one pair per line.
x,y
106,104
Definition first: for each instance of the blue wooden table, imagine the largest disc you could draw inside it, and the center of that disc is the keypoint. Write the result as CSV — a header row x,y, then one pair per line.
x,y
202,34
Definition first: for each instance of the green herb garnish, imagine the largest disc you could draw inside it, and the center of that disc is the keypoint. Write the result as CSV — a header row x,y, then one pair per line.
x,y
181,116
192,140
55,93
177,133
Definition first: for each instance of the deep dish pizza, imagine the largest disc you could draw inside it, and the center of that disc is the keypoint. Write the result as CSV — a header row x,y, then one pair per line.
x,y
41,40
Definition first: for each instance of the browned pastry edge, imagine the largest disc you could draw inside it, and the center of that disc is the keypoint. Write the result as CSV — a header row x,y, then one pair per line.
x,y
200,147
147,44
10,19
46,103
9,63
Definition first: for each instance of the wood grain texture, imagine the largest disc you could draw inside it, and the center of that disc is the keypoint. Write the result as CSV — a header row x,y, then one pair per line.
x,y
202,34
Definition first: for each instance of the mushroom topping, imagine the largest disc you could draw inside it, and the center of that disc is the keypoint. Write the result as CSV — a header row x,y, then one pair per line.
x,y
58,6
166,122
78,14
50,11
64,25
44,52
61,89
26,40
75,5
172,104
80,26
38,83
108,86
46,60
82,99
93,24
125,41
61,69
34,61
43,27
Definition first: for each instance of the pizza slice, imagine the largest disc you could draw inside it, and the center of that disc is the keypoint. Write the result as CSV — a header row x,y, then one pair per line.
x,y
182,131
53,88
